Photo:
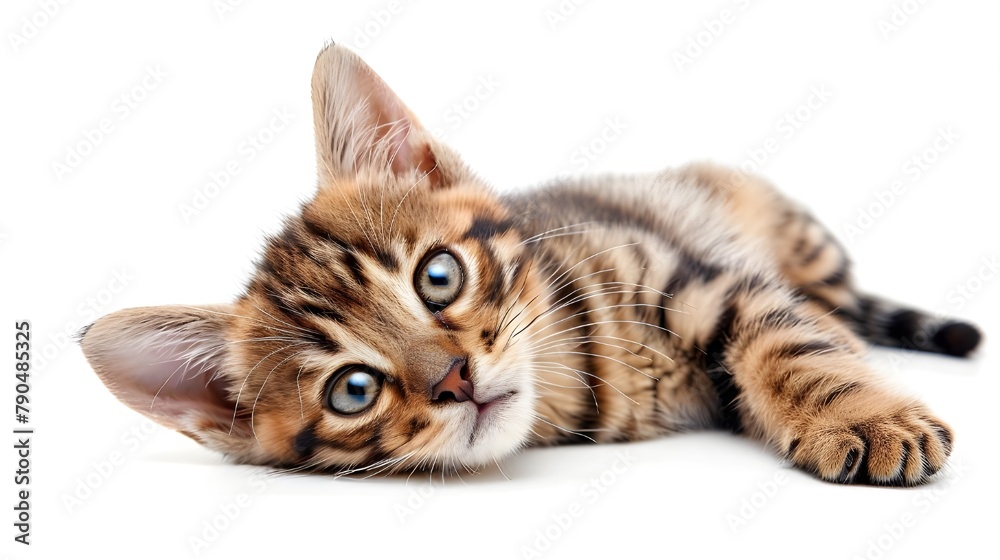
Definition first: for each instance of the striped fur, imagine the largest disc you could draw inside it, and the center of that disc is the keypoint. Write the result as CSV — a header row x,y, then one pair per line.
x,y
593,310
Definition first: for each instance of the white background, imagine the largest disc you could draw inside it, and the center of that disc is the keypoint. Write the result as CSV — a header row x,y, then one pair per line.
x,y
65,236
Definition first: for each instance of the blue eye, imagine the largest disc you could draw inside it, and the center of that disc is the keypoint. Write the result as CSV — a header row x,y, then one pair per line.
x,y
354,390
439,280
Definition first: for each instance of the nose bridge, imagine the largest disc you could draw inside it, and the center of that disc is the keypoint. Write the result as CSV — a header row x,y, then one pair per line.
x,y
428,359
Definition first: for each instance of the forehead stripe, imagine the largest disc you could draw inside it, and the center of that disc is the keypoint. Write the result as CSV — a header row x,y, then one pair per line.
x,y
485,228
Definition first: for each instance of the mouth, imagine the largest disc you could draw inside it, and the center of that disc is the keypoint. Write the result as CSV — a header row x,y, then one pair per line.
x,y
484,408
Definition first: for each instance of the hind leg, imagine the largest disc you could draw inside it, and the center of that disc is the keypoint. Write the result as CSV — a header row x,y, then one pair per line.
x,y
812,261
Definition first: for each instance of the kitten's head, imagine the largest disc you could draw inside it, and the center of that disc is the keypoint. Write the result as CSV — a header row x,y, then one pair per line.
x,y
374,332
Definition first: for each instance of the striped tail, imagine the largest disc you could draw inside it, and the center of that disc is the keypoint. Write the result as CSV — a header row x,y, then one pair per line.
x,y
885,323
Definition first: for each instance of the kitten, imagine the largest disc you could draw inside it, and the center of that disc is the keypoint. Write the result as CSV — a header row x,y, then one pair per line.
x,y
409,317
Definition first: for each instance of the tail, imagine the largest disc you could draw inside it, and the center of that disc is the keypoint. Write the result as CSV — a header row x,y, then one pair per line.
x,y
885,323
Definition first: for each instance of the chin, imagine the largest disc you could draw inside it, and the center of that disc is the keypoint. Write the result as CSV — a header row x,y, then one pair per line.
x,y
483,435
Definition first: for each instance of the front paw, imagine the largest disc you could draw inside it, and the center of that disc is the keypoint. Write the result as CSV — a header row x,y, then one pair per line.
x,y
890,446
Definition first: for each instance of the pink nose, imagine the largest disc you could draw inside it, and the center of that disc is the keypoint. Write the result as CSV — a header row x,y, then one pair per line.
x,y
456,385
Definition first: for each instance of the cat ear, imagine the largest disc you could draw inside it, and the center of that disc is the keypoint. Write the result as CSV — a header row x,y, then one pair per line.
x,y
362,126
167,363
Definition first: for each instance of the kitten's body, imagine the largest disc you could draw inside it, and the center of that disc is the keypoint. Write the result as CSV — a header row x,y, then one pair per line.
x,y
606,309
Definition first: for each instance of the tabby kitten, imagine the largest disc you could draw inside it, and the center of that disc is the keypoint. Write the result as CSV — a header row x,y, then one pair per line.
x,y
411,318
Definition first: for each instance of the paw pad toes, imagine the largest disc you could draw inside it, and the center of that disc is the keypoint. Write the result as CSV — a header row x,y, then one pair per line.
x,y
898,450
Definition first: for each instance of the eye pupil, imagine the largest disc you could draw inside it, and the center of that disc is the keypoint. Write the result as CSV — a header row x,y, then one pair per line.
x,y
437,274
358,385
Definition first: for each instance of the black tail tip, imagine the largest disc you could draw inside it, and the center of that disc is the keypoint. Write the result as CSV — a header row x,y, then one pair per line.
x,y
957,339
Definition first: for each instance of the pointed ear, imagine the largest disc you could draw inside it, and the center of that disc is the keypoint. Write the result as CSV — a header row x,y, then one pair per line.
x,y
362,126
167,363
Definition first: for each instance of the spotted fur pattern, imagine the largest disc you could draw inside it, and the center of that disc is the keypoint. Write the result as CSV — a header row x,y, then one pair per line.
x,y
593,310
